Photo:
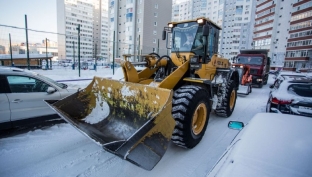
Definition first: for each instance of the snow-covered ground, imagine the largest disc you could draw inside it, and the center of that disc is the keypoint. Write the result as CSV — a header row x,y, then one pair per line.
x,y
61,150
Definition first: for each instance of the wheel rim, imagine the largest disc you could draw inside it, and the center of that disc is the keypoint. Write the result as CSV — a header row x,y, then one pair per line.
x,y
199,118
232,99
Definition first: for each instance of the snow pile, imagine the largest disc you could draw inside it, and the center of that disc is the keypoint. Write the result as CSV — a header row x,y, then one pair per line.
x,y
99,112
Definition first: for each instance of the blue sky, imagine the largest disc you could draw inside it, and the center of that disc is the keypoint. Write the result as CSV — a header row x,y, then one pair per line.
x,y
41,14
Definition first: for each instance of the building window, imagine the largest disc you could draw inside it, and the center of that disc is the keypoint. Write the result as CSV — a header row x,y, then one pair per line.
x,y
155,32
155,23
154,40
239,10
156,6
155,14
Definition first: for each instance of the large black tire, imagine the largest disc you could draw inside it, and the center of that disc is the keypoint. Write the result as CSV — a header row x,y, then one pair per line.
x,y
227,106
190,109
268,106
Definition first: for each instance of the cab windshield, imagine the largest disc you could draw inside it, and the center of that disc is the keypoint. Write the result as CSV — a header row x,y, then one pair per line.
x,y
187,37
250,60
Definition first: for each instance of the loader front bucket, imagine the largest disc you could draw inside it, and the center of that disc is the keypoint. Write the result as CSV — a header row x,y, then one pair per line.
x,y
131,120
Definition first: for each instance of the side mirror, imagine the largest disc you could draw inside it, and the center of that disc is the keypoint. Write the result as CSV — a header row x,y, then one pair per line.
x,y
236,125
164,35
51,90
206,30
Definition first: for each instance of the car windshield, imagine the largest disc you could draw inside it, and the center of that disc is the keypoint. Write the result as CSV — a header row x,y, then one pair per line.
x,y
52,81
187,37
249,60
304,90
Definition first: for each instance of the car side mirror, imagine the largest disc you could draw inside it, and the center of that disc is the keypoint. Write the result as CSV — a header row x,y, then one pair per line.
x,y
206,30
236,125
164,35
51,90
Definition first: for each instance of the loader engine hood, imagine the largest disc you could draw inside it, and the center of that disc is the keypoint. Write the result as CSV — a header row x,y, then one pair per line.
x,y
130,120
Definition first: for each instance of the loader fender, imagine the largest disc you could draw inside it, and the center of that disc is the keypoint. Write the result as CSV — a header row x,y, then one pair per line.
x,y
130,120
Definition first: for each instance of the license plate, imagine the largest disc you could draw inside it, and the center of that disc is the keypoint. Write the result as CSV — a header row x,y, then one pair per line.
x,y
305,108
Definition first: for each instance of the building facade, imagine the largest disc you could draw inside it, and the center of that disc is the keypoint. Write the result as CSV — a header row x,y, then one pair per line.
x,y
136,27
299,43
237,25
91,15
271,30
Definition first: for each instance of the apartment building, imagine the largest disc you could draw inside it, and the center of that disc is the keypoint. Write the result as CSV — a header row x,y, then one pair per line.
x,y
237,25
138,26
299,43
182,10
92,17
271,30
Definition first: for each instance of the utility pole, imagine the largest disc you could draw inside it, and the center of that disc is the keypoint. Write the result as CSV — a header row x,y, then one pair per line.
x,y
95,56
139,48
47,54
74,54
114,53
78,28
11,50
27,50
158,46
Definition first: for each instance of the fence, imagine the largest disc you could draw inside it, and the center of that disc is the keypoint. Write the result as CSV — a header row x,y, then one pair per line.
x,y
64,47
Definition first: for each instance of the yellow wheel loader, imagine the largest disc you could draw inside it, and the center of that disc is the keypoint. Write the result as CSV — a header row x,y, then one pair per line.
x,y
171,99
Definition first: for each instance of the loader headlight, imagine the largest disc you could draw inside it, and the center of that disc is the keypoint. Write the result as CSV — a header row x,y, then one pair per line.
x,y
259,80
170,25
200,20
194,59
241,66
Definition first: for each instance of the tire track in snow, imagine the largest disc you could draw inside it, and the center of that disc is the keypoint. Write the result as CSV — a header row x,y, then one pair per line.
x,y
71,163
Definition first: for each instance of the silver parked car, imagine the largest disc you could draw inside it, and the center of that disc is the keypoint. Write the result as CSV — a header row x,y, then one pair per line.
x,y
270,145
22,95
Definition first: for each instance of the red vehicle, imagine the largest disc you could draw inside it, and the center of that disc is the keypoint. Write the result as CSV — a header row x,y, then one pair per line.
x,y
259,63
245,78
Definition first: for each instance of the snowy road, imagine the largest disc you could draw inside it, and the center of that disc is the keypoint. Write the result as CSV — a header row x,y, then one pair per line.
x,y
63,151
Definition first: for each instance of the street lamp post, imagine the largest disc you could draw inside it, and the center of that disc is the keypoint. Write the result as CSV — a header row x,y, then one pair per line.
x,y
47,54
74,54
78,28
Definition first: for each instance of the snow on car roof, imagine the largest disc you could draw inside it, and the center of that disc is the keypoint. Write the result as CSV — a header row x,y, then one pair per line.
x,y
271,145
283,93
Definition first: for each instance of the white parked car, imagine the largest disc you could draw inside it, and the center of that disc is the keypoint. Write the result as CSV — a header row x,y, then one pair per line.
x,y
291,95
269,145
22,95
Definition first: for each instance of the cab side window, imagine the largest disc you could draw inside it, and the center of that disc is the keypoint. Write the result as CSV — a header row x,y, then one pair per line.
x,y
24,84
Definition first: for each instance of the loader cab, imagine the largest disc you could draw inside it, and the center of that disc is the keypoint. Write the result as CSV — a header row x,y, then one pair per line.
x,y
199,37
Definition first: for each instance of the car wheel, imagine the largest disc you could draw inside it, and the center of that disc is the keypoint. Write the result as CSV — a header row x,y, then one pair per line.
x,y
260,85
268,106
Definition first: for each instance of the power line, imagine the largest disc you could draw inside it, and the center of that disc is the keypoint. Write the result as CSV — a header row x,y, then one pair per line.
x,y
32,29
